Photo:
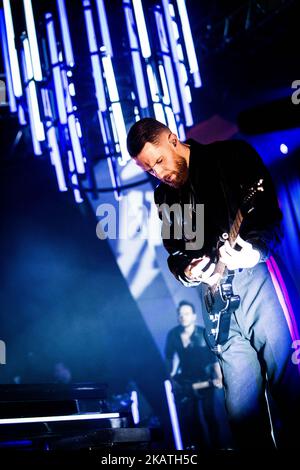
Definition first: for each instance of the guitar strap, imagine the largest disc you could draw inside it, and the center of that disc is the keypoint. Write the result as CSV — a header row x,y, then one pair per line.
x,y
225,317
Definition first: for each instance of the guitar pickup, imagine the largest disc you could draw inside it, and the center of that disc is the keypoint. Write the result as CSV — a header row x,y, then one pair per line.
x,y
227,290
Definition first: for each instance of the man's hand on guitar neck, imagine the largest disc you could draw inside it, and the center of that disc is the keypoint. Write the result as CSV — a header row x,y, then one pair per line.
x,y
245,257
195,271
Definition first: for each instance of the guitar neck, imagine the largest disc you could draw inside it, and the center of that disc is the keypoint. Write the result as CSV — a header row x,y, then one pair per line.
x,y
232,236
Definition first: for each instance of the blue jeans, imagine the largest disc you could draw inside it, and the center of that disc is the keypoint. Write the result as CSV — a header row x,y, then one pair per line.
x,y
256,357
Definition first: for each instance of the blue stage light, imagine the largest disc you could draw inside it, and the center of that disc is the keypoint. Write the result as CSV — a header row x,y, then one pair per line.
x,y
74,179
56,158
178,65
34,48
97,74
37,123
104,27
141,28
76,144
64,25
9,84
173,415
116,108
35,143
189,43
14,63
167,61
284,149
58,86
135,55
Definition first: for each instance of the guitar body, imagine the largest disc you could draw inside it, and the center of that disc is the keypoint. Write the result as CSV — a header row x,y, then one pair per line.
x,y
222,298
220,302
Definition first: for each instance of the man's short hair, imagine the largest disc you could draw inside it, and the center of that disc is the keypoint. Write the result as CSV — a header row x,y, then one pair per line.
x,y
143,131
185,302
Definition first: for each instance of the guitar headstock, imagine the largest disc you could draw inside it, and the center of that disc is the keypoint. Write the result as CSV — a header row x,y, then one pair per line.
x,y
248,201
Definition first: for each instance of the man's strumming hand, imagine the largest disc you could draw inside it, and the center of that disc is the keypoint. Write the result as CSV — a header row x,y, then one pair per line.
x,y
195,271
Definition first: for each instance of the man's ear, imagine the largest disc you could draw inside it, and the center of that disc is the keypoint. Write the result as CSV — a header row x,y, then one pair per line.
x,y
173,139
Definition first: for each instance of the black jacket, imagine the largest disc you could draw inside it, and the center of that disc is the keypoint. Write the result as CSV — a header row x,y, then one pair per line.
x,y
195,359
219,176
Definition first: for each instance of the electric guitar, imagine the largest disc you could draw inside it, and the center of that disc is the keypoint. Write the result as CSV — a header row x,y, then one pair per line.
x,y
219,299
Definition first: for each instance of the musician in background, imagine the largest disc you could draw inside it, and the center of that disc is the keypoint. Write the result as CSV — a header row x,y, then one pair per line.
x,y
194,373
256,343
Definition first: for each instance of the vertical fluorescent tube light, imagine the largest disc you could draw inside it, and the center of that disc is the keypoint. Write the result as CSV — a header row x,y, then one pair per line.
x,y
167,61
35,143
168,19
103,131
186,108
54,151
98,80
60,100
21,115
104,27
56,158
38,125
171,120
152,84
135,407
141,27
181,132
14,63
64,26
9,83
76,144
159,113
34,49
157,106
116,108
74,179
173,415
110,79
121,130
166,96
135,55
189,43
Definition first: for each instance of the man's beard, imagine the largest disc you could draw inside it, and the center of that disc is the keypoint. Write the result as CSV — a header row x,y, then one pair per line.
x,y
180,174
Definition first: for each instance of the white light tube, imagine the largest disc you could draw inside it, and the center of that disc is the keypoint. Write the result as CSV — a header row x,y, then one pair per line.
x,y
56,158
31,32
65,31
38,125
9,83
58,86
14,63
173,415
189,43
135,55
48,419
76,144
141,27
98,80
104,27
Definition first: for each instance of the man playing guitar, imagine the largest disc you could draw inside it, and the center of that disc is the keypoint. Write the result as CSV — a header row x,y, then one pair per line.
x,y
252,340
